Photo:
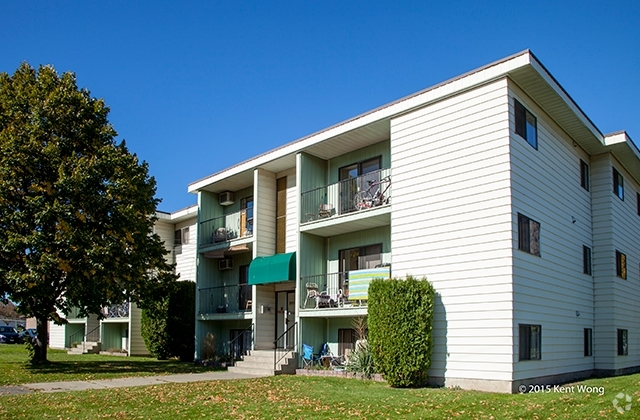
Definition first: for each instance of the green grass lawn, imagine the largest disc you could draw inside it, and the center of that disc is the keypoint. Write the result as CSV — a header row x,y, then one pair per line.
x,y
284,397
300,397
15,369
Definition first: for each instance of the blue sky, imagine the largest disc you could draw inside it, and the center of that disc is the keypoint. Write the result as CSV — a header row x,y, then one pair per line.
x,y
195,87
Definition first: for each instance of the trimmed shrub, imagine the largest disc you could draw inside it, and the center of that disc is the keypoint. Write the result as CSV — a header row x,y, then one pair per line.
x,y
400,329
168,325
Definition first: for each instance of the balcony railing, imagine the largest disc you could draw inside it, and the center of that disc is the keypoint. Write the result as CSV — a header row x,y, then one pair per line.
x,y
117,311
224,299
340,290
325,291
343,198
226,228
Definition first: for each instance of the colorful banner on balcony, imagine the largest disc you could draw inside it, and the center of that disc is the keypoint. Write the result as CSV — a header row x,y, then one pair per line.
x,y
359,281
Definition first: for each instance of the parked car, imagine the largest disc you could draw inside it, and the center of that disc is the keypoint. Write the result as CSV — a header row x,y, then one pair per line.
x,y
10,334
28,335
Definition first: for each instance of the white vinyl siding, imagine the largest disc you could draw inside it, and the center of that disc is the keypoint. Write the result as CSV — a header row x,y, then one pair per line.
x,y
166,232
264,213
56,336
264,323
291,241
551,290
616,227
185,255
451,223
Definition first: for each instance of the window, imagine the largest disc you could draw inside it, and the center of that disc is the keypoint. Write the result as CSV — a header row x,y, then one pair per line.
x,y
584,175
638,198
621,265
588,342
346,340
357,259
530,342
181,236
528,235
618,184
526,125
246,217
586,260
623,342
353,178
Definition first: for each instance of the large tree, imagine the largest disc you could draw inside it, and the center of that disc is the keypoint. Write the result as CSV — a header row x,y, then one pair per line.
x,y
76,208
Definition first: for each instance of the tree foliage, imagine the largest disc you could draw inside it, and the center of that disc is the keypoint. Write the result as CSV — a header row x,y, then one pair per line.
x,y
168,325
76,209
400,329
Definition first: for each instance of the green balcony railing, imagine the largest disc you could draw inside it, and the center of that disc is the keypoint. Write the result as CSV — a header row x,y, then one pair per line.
x,y
224,299
226,228
370,190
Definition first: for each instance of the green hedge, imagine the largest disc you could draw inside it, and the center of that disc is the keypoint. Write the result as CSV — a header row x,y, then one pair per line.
x,y
400,329
168,325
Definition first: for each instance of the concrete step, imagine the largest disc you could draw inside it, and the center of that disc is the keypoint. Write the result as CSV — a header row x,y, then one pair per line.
x,y
252,371
260,362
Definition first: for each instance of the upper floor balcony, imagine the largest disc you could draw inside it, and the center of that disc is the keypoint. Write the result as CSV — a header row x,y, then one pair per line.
x,y
353,204
343,290
226,228
233,301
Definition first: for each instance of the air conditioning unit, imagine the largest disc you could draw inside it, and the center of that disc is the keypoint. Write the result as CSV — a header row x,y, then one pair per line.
x,y
226,198
225,264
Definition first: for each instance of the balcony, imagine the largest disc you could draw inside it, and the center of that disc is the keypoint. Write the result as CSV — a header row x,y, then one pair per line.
x,y
349,205
234,299
339,291
229,227
118,311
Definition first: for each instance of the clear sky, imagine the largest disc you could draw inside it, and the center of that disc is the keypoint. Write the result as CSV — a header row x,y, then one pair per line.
x,y
197,86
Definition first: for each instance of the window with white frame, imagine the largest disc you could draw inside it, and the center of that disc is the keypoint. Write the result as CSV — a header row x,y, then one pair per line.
x,y
621,265
584,175
528,235
530,342
526,124
586,260
623,342
181,236
618,184
588,342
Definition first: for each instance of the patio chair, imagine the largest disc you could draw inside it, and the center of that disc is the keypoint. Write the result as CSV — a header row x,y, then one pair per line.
x,y
325,210
312,292
308,358
327,358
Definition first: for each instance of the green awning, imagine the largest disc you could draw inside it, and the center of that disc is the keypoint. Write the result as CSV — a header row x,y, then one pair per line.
x,y
273,269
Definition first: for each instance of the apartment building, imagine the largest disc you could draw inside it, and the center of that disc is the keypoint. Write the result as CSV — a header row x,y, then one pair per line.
x,y
119,330
493,185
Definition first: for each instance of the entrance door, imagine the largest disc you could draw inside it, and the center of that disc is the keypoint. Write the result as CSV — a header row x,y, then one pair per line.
x,y
286,304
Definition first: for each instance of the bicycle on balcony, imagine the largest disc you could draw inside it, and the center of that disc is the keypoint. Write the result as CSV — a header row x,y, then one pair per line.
x,y
375,195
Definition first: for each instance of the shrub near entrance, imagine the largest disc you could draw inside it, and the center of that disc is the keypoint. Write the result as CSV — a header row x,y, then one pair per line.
x,y
400,329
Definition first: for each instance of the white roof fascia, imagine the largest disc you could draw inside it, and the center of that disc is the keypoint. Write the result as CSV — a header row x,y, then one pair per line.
x,y
551,81
464,82
185,213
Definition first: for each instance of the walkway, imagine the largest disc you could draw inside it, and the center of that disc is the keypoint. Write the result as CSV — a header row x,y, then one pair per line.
x,y
121,382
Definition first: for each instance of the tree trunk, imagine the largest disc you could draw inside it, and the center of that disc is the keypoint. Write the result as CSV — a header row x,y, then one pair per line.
x,y
41,341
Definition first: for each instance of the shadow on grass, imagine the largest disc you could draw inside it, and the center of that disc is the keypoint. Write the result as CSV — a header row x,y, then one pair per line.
x,y
114,367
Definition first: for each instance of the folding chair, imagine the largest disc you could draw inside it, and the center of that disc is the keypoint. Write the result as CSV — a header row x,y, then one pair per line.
x,y
308,359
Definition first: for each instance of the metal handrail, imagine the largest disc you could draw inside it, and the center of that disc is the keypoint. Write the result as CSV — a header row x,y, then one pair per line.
x,y
90,334
277,360
78,334
241,335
